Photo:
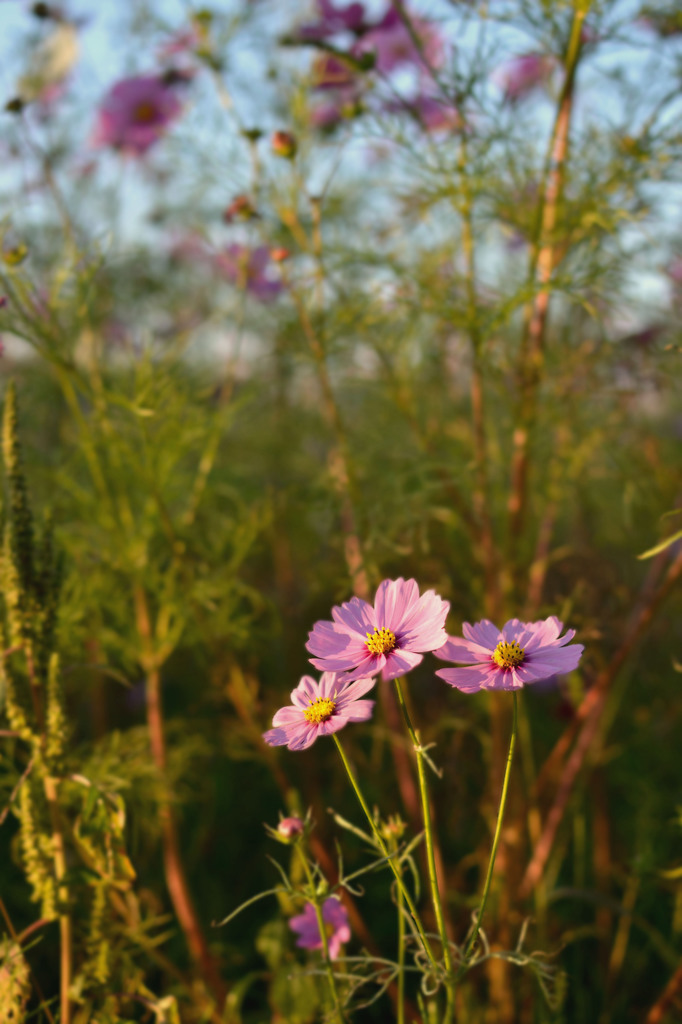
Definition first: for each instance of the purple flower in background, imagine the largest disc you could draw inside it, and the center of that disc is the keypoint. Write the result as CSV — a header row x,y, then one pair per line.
x,y
334,20
335,917
320,709
393,44
337,106
389,638
508,659
251,269
522,75
332,73
136,113
435,115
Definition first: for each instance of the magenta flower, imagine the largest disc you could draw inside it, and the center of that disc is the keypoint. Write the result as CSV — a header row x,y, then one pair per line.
x,y
319,709
135,114
523,75
250,269
334,20
393,45
389,638
335,917
507,659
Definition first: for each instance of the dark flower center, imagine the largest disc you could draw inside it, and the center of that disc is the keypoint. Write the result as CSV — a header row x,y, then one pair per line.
x,y
145,112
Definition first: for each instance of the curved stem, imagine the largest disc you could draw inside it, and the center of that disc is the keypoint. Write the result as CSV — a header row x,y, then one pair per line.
x,y
323,936
390,857
496,840
430,852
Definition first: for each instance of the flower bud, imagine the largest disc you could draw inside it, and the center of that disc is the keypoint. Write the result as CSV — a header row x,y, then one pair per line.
x,y
289,829
284,144
241,208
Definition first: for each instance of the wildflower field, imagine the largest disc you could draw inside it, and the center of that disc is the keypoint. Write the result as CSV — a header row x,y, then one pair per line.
x,y
341,557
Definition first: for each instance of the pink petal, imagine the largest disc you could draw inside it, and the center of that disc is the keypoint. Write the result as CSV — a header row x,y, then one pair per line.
x,y
352,691
356,616
423,628
329,684
306,691
304,738
327,639
288,716
484,633
465,651
370,665
469,680
357,711
393,599
276,737
399,662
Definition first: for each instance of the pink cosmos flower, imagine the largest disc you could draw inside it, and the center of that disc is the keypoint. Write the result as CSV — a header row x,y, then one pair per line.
x,y
389,638
393,46
250,269
319,709
334,20
434,114
507,659
523,75
335,917
135,114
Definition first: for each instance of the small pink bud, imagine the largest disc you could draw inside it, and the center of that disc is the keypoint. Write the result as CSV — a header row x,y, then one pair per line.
x,y
284,144
241,208
290,829
279,255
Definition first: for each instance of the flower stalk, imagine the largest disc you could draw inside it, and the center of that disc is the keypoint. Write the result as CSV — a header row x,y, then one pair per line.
x,y
430,850
496,842
314,899
389,857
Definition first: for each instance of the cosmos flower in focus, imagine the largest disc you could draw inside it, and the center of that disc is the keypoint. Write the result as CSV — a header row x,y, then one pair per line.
x,y
390,637
136,113
508,659
320,709
335,917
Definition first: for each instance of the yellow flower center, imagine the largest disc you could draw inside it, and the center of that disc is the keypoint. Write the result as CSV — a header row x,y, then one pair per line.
x,y
381,641
320,710
145,112
508,655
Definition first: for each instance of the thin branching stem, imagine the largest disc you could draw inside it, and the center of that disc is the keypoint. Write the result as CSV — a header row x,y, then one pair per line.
x,y
314,899
430,851
390,858
496,841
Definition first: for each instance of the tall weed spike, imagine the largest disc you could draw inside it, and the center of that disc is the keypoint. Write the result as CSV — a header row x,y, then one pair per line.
x,y
20,519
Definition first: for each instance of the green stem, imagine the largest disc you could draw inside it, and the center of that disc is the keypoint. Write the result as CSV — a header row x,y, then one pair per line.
x,y
401,958
430,851
323,936
390,857
496,840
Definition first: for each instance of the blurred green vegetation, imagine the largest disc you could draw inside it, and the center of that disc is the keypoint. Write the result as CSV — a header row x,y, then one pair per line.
x,y
220,471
